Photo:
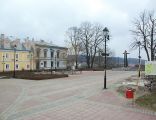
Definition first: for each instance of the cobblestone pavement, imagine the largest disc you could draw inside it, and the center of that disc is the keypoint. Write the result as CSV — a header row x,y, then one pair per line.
x,y
78,97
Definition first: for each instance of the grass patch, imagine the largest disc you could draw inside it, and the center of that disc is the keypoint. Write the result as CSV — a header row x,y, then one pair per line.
x,y
147,101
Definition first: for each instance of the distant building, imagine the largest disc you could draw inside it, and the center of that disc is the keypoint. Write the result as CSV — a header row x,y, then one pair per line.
x,y
30,55
11,57
49,56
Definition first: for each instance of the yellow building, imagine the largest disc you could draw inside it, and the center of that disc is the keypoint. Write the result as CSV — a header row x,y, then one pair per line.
x,y
30,55
18,60
13,55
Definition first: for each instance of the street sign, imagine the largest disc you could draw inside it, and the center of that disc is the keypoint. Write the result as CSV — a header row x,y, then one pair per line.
x,y
150,67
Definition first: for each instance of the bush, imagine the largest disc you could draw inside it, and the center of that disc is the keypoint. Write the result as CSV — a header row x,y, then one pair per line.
x,y
32,76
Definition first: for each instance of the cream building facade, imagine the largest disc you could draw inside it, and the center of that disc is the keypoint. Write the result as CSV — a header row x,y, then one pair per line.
x,y
14,56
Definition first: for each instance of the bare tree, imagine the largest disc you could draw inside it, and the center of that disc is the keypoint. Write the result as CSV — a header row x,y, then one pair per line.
x,y
86,38
145,31
152,34
73,34
96,40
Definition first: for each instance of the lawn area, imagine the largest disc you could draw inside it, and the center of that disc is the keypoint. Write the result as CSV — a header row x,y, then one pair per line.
x,y
143,97
147,101
33,75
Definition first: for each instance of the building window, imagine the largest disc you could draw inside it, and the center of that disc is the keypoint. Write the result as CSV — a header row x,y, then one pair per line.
x,y
6,55
58,64
63,55
45,53
17,66
51,63
7,66
17,56
45,63
28,66
52,54
38,52
58,54
28,56
3,57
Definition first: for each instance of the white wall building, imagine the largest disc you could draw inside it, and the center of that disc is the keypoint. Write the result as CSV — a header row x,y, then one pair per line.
x,y
50,56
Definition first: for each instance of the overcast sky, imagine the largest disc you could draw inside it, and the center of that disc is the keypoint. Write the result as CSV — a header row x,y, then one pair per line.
x,y
49,19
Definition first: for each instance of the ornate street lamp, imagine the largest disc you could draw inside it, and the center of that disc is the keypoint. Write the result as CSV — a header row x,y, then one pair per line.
x,y
106,37
14,60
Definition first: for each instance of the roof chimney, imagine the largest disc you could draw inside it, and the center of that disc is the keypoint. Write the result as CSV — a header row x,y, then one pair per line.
x,y
2,40
42,40
2,36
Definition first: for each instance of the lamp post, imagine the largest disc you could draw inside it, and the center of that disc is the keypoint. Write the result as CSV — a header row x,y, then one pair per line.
x,y
30,54
51,59
14,60
106,37
139,44
3,63
30,60
55,63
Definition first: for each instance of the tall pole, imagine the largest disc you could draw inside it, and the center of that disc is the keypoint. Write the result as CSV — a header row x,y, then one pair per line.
x,y
106,37
51,59
126,60
139,60
105,66
55,63
30,60
14,60
3,63
51,62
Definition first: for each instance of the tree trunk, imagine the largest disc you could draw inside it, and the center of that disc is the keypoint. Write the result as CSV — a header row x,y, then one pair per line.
x,y
147,53
76,61
152,50
88,61
93,58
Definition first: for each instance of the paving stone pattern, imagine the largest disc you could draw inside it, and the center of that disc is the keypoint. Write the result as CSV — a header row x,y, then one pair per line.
x,y
78,97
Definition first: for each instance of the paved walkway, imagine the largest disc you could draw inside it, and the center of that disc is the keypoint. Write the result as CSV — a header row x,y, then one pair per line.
x,y
78,97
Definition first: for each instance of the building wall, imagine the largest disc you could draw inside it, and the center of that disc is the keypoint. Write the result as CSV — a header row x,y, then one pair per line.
x,y
61,59
24,62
